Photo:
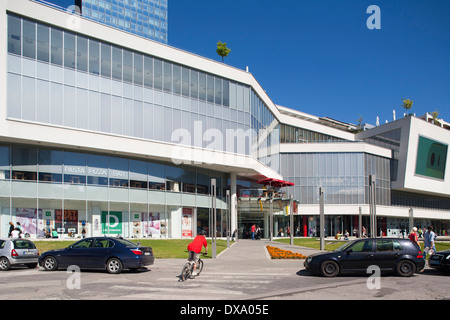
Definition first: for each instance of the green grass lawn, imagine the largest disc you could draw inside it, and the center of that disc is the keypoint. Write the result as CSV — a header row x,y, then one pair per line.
x,y
162,249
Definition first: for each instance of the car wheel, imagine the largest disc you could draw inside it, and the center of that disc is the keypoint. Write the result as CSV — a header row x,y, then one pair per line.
x,y
4,264
50,263
114,266
406,268
329,269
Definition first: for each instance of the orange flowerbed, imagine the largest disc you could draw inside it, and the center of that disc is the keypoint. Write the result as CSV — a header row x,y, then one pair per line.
x,y
277,253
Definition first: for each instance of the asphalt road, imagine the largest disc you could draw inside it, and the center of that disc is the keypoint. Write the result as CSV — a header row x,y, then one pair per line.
x,y
243,272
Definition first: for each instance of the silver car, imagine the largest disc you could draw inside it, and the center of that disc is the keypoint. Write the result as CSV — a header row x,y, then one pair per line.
x,y
18,252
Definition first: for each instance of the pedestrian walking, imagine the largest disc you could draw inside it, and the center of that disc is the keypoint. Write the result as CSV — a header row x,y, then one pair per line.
x,y
429,242
11,228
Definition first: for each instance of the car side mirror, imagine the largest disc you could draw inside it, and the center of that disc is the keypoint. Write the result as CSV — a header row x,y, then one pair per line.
x,y
349,251
70,247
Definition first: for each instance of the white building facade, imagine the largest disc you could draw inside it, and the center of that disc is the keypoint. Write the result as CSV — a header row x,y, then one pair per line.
x,y
104,132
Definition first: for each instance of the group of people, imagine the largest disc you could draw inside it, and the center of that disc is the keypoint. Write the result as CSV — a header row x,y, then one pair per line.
x,y
429,239
15,231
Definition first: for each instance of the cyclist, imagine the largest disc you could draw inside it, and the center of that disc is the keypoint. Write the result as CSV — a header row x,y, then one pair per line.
x,y
195,247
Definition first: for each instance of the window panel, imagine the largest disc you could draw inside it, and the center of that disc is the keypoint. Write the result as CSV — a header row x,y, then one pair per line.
x,y
82,53
157,74
192,83
29,39
94,57
138,69
106,60
127,66
57,47
14,35
117,63
176,79
69,50
43,43
167,77
148,71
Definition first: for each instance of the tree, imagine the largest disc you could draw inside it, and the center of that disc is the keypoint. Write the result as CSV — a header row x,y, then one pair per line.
x,y
222,50
407,105
435,115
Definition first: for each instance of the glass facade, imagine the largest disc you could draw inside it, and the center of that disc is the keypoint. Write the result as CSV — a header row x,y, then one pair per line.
x,y
145,18
344,177
71,191
290,134
88,84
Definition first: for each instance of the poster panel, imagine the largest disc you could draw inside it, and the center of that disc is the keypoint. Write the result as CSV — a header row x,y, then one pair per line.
x,y
186,223
431,158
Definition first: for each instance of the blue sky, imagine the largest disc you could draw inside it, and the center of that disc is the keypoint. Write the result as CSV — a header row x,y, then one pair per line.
x,y
319,57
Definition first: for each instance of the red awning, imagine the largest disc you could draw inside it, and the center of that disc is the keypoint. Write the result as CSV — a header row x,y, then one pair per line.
x,y
275,183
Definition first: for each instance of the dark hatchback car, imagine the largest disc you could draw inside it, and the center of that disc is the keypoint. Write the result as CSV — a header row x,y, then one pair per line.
x,y
112,254
440,260
401,256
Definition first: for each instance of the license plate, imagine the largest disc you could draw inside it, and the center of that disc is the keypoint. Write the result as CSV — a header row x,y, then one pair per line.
x,y
28,253
146,253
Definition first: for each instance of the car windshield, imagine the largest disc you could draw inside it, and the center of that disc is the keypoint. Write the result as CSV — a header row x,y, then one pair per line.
x,y
344,246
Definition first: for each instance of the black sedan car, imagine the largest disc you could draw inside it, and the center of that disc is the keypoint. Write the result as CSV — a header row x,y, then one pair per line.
x,y
440,260
112,254
389,254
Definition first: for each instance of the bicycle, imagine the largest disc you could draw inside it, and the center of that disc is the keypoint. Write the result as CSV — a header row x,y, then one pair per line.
x,y
188,269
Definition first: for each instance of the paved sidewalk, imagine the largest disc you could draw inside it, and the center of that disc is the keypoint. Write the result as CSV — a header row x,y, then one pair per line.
x,y
251,256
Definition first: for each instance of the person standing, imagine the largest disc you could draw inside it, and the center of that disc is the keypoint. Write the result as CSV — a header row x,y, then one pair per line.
x,y
253,231
413,236
11,228
429,242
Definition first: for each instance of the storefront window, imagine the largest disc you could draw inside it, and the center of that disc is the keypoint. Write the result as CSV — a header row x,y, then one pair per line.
x,y
97,169
4,163
118,172
24,163
74,167
50,165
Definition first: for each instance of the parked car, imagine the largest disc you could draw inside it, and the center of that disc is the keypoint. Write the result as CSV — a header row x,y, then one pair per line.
x,y
112,254
401,256
440,260
18,252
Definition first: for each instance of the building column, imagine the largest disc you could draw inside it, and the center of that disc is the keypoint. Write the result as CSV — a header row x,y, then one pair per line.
x,y
233,202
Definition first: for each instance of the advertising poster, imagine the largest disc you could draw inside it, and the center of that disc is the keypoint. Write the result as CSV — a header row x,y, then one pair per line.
x,y
186,223
431,158
114,225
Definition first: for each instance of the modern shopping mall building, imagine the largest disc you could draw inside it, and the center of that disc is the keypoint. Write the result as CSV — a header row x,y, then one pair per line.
x,y
106,132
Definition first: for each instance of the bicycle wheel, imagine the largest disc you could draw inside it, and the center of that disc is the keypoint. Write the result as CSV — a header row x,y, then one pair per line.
x,y
186,272
199,267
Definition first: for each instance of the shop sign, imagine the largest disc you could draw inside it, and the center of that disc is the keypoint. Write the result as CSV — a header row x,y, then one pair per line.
x,y
114,225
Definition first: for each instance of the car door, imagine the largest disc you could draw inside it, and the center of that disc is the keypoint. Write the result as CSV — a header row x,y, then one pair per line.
x,y
387,253
97,254
358,257
76,253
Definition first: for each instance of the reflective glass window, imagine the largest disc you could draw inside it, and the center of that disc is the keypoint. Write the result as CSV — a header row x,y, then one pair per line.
x,y
157,69
176,79
226,93
14,35
4,163
210,88
167,77
138,174
24,160
43,43
69,50
82,53
156,176
97,169
127,66
117,63
106,60
74,167
118,172
94,57
148,71
202,86
50,165
57,47
192,83
29,39
138,69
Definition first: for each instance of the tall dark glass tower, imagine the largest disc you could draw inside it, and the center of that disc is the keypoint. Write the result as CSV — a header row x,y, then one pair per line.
x,y
146,18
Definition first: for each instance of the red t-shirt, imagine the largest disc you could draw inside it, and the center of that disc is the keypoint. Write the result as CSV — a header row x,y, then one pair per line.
x,y
197,244
413,237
